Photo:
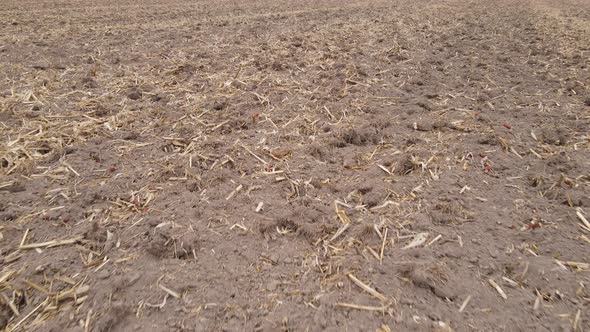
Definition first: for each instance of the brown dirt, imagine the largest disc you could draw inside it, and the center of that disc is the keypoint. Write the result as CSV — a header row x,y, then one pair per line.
x,y
407,155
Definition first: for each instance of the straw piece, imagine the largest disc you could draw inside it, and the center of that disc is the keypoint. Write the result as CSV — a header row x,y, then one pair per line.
x,y
383,246
73,293
51,244
384,205
169,291
24,239
367,288
259,207
582,218
431,242
11,305
254,155
19,323
36,286
339,232
6,276
498,288
360,307
577,265
343,217
465,303
418,240
234,192
576,324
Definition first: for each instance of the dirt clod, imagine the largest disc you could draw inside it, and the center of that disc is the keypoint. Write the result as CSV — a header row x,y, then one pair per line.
x,y
134,93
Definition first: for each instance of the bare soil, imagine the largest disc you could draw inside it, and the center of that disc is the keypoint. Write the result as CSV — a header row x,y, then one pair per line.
x,y
262,165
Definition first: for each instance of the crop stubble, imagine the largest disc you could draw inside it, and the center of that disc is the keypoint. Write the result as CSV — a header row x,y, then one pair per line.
x,y
278,165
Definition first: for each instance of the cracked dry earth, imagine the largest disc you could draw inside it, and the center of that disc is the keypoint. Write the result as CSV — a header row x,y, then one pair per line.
x,y
262,165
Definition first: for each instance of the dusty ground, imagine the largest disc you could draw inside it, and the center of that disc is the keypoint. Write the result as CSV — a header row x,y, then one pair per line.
x,y
313,165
